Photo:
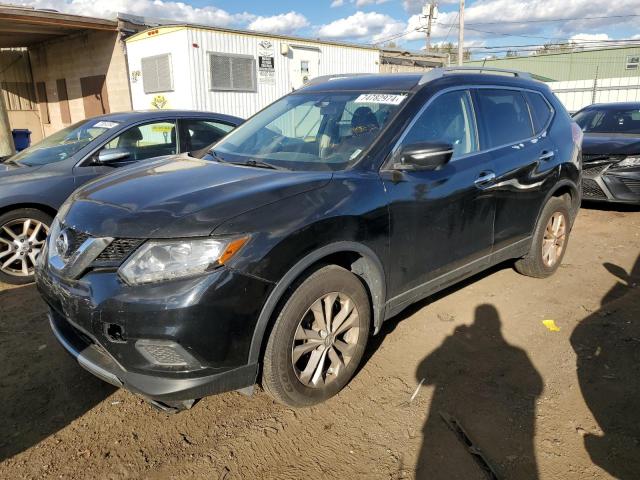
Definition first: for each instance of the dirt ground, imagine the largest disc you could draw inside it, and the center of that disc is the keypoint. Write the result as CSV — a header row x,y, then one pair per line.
x,y
539,403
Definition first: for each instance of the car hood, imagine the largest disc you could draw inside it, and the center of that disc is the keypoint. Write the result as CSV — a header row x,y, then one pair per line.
x,y
179,196
610,144
11,172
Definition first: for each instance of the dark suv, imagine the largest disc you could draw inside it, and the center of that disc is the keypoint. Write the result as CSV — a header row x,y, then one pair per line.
x,y
279,252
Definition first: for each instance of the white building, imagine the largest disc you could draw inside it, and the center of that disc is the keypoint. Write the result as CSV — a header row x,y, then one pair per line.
x,y
231,71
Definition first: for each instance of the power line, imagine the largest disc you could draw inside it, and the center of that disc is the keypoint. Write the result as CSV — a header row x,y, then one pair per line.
x,y
397,35
630,41
547,20
515,34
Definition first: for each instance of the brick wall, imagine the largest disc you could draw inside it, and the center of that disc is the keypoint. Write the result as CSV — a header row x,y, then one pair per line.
x,y
72,58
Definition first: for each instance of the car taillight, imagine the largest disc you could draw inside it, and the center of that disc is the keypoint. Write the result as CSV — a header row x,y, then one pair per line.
x,y
576,133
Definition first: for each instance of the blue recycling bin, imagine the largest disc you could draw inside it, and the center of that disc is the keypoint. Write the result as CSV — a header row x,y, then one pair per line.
x,y
21,138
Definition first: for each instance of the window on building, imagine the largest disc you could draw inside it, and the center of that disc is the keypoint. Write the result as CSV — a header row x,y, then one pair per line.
x,y
632,62
232,72
156,74
540,110
505,116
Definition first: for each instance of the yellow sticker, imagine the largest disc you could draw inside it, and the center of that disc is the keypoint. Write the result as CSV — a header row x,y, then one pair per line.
x,y
551,325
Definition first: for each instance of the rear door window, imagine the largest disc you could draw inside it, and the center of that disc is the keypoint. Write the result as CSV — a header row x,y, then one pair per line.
x,y
196,134
504,116
541,112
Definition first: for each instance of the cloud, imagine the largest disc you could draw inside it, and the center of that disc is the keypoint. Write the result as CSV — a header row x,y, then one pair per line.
x,y
581,37
283,23
415,6
149,8
358,26
528,11
337,3
364,3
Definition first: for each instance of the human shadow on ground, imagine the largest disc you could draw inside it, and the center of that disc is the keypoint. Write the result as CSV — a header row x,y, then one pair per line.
x,y
42,388
607,345
489,388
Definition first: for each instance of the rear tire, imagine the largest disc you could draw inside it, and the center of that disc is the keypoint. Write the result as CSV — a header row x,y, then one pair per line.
x,y
22,235
318,339
549,242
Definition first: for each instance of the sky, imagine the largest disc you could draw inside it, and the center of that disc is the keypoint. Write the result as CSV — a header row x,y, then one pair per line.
x,y
491,26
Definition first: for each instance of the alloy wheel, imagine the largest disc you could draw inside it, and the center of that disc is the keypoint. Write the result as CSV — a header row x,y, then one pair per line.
x,y
21,241
554,239
325,340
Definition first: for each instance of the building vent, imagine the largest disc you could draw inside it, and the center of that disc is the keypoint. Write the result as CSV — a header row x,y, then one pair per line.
x,y
232,72
156,74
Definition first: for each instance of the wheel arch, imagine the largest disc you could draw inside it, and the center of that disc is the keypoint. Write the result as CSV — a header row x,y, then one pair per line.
x,y
353,256
37,206
561,188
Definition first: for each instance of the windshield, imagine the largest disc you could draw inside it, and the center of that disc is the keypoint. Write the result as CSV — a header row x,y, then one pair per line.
x,y
63,144
313,131
609,121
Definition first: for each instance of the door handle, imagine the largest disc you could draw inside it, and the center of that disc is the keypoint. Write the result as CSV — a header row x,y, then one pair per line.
x,y
484,179
547,155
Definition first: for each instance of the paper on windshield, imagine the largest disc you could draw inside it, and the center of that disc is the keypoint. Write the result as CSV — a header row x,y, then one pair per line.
x,y
384,98
105,124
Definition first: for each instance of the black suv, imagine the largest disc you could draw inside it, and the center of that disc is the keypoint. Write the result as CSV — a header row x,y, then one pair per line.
x,y
279,252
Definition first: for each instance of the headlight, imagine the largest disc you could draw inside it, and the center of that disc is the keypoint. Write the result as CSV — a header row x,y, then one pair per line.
x,y
156,260
629,162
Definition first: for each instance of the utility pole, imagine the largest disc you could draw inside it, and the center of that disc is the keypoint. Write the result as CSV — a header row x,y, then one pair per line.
x,y
461,34
6,140
430,11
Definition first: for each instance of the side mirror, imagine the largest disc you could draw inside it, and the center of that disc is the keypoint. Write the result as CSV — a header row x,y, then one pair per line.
x,y
423,156
111,155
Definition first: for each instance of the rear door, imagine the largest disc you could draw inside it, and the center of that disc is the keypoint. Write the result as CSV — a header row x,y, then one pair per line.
x,y
441,220
522,158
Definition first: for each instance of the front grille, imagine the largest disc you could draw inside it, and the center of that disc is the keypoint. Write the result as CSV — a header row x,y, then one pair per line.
x,y
594,157
591,189
118,250
632,184
594,171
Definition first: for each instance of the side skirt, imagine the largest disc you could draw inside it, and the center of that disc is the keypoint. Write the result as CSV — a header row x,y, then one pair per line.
x,y
398,303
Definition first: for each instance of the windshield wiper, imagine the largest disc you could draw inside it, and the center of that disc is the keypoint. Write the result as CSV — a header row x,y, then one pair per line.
x,y
217,156
258,164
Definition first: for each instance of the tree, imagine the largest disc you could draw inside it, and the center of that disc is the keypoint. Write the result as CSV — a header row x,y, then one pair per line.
x,y
452,50
557,47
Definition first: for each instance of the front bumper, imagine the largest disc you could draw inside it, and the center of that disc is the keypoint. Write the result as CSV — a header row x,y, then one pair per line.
x,y
210,318
603,183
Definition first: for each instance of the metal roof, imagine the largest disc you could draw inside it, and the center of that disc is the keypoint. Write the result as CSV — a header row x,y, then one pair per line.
x,y
24,26
255,33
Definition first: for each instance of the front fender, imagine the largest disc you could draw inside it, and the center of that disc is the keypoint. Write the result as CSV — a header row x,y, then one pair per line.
x,y
368,267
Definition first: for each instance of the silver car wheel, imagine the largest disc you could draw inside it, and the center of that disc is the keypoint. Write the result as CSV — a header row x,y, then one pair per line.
x,y
21,241
325,340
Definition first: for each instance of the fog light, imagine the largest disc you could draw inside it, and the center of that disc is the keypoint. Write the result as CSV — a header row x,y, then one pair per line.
x,y
165,353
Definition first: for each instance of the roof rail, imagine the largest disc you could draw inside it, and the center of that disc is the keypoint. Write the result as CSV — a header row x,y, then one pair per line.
x,y
325,78
442,71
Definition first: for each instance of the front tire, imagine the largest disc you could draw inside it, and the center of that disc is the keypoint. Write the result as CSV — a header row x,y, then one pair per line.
x,y
318,339
22,235
549,242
